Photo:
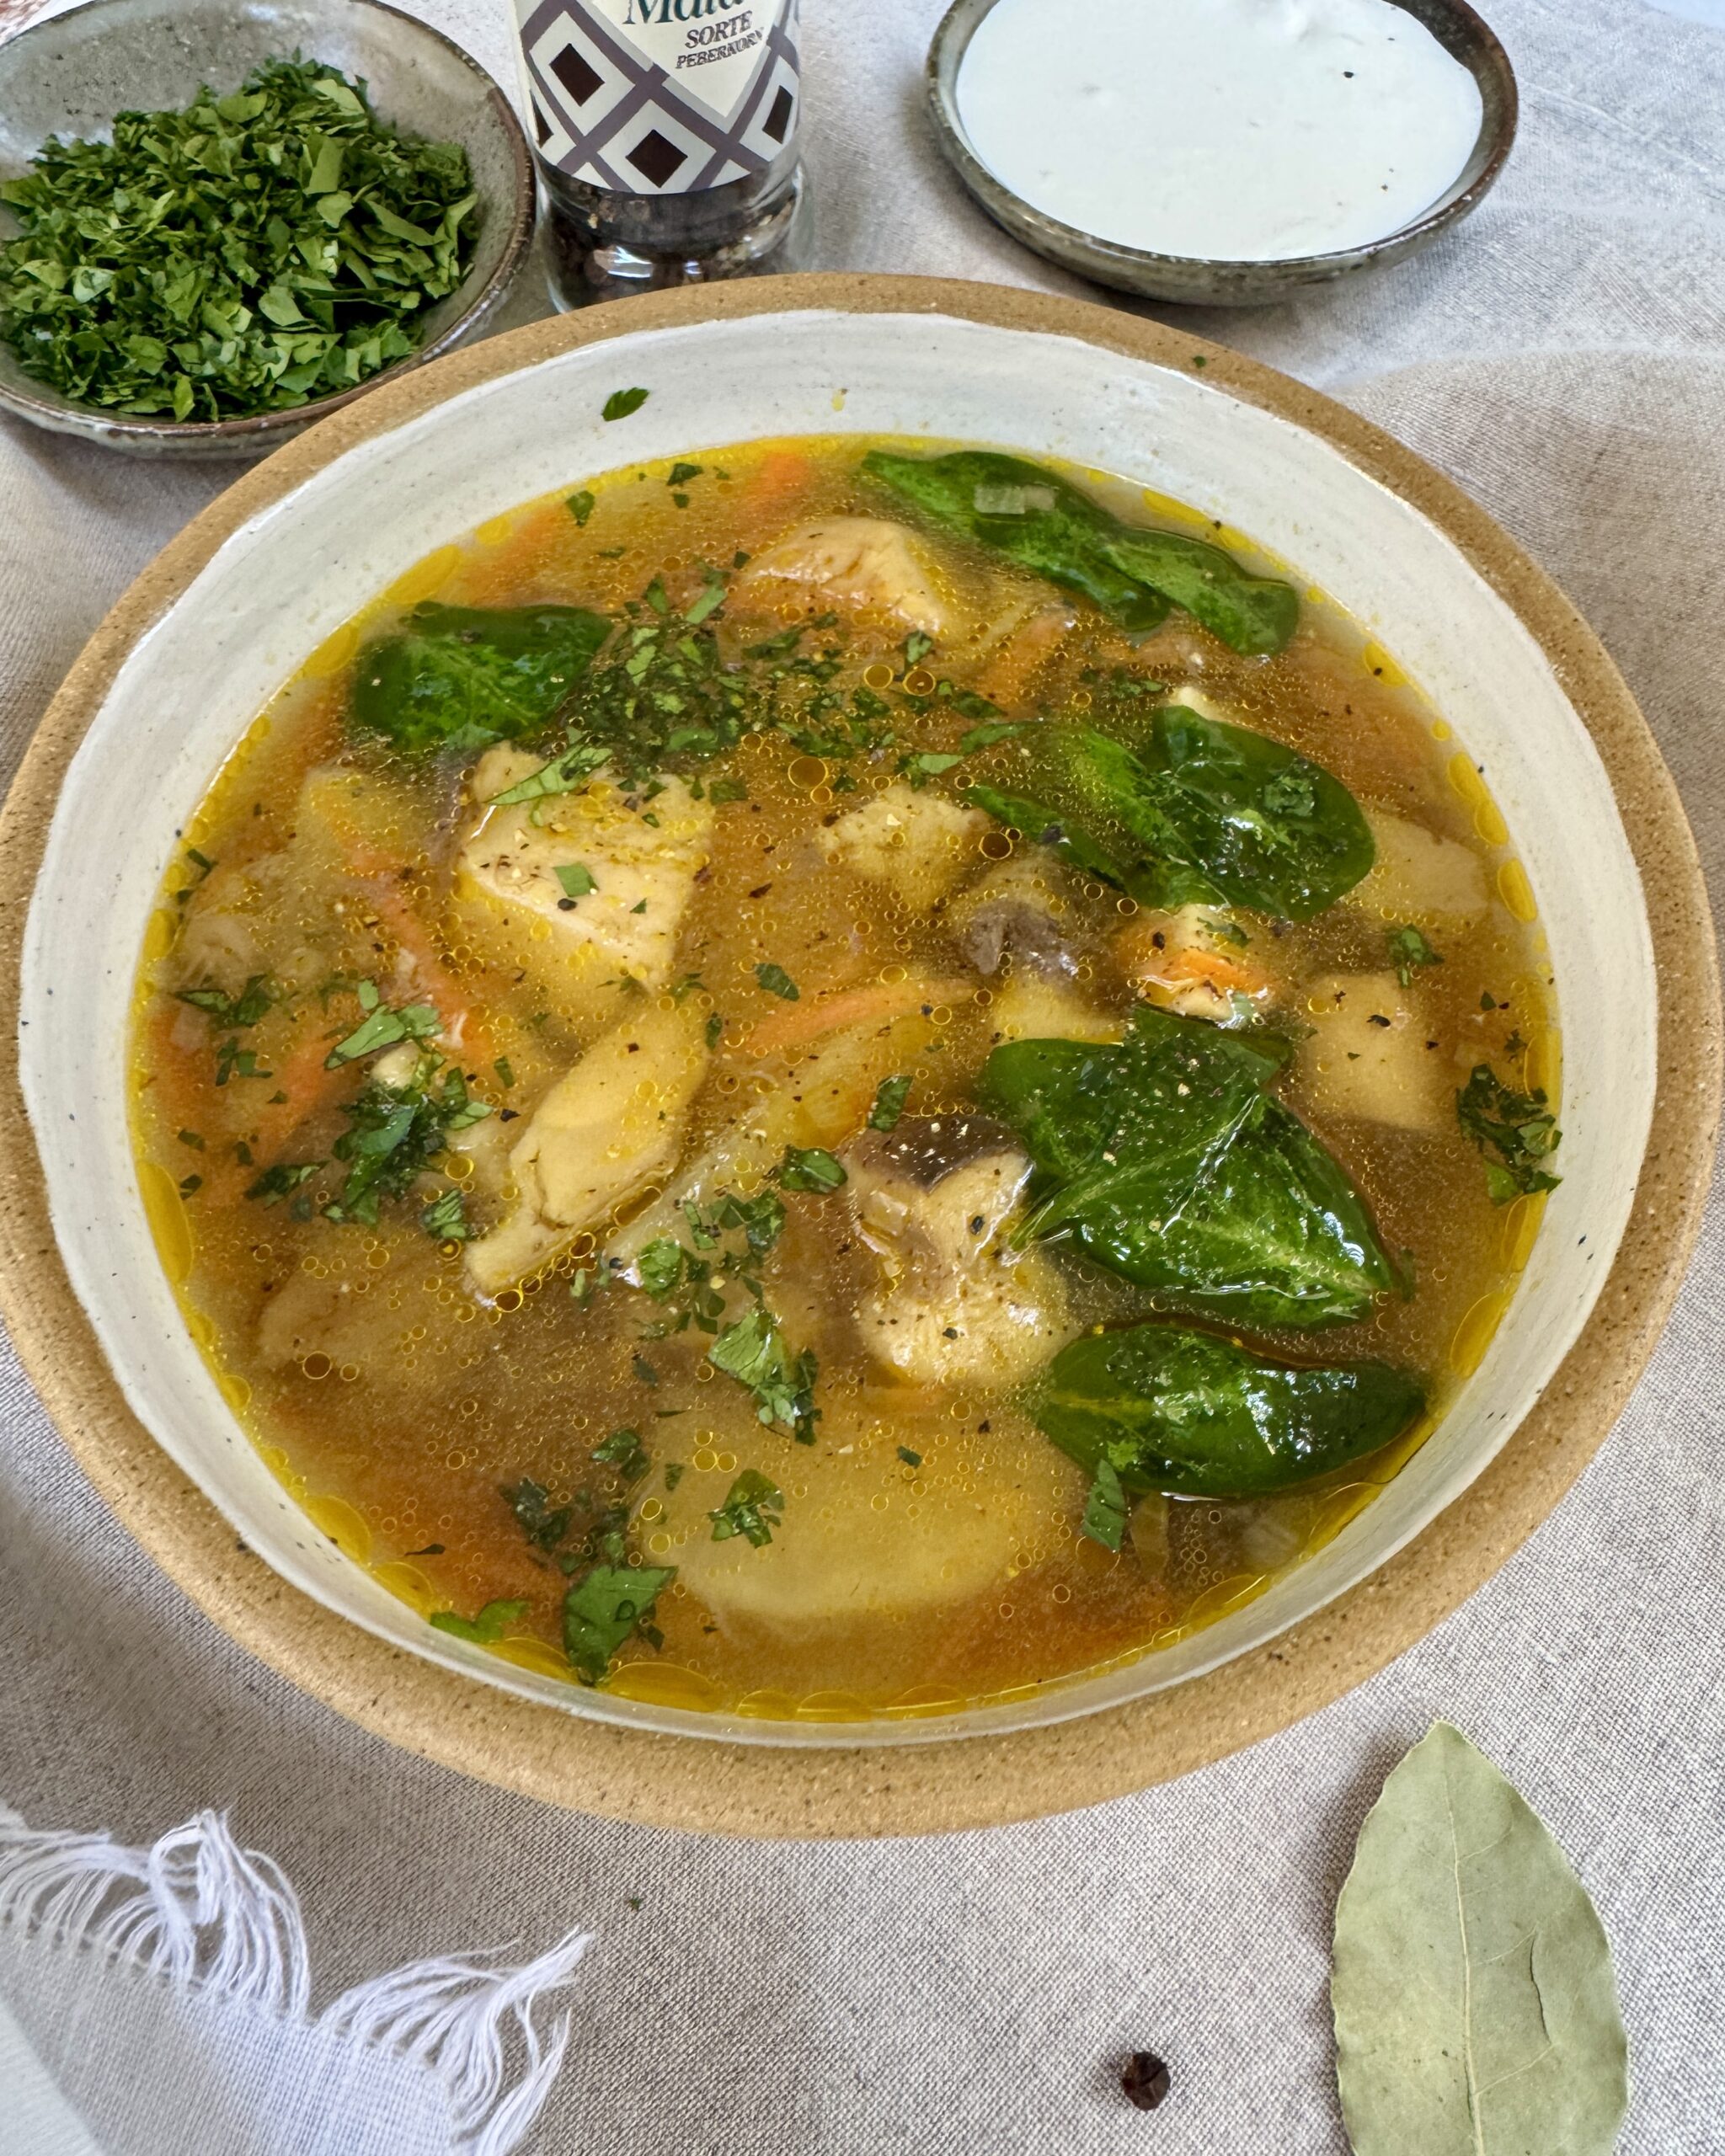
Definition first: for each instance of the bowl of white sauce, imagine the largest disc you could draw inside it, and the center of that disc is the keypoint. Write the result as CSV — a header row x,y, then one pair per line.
x,y
1222,151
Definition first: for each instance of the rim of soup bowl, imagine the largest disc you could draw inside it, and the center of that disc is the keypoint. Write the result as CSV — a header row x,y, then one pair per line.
x,y
907,1776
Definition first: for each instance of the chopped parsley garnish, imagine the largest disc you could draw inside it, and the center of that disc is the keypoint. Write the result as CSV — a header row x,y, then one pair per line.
x,y
486,1628
621,402
661,1266
1105,1508
506,1072
623,1450
889,1102
911,1459
918,646
395,1134
644,1370
576,878
543,1524
753,1351
187,1184
713,1029
581,505
753,1507
567,772
1409,948
1519,1127
929,764
193,1139
810,1167
600,1612
685,986
245,1009
282,1180
234,1061
985,736
680,474
777,982
382,1027
444,1219
245,254
674,1474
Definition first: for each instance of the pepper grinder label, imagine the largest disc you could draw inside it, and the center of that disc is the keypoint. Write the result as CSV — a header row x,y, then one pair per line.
x,y
660,96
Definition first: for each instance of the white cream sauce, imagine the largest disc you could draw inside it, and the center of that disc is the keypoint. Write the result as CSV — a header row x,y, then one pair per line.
x,y
1241,130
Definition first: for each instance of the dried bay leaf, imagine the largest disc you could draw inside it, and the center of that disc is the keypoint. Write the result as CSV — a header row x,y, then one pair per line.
x,y
1475,2005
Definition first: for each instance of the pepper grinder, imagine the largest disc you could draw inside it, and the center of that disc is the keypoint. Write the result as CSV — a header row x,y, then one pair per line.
x,y
667,141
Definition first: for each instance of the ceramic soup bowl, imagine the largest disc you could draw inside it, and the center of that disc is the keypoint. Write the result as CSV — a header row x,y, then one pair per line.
x,y
232,609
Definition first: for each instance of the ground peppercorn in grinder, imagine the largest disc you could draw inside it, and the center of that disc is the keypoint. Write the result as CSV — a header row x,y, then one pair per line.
x,y
667,135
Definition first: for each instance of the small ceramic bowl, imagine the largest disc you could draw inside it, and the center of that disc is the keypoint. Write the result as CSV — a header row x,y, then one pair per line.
x,y
69,75
1188,279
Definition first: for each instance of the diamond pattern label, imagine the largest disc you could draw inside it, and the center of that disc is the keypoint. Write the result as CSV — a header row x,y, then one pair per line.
x,y
661,97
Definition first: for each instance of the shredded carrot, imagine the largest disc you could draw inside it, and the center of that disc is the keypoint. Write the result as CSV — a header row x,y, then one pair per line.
x,y
1212,967
432,976
881,1002
300,1075
780,473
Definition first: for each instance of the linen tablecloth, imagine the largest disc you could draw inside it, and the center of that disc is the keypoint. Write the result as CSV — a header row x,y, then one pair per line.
x,y
1564,356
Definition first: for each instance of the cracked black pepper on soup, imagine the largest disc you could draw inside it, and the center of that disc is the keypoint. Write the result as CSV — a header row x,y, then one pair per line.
x,y
843,1078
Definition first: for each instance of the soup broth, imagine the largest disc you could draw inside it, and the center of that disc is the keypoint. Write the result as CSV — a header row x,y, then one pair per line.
x,y
842,1077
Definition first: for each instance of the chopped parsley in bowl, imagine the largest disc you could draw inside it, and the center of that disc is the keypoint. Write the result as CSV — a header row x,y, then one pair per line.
x,y
208,268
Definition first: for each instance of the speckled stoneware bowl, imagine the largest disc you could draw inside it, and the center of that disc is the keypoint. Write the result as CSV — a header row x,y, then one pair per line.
x,y
71,74
279,562
1187,278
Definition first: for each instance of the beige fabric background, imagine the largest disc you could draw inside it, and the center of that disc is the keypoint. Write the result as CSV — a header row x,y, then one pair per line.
x,y
1564,357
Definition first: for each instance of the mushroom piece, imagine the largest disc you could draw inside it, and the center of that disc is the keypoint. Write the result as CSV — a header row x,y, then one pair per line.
x,y
956,1304
1019,913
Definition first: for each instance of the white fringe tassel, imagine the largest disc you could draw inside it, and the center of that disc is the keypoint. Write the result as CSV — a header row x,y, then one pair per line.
x,y
199,1910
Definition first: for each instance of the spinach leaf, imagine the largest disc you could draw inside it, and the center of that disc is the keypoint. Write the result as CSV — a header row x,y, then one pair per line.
x,y
1252,614
602,1610
1132,574
1163,1159
463,676
1027,515
1205,814
1272,829
1194,1416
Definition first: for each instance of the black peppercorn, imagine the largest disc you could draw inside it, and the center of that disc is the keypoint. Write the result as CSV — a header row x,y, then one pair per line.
x,y
1145,2080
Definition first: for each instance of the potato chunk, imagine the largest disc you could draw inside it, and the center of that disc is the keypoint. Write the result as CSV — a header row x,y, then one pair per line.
x,y
511,897
1370,1054
917,844
956,1304
857,561
1419,876
1030,1008
842,1557
597,1139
